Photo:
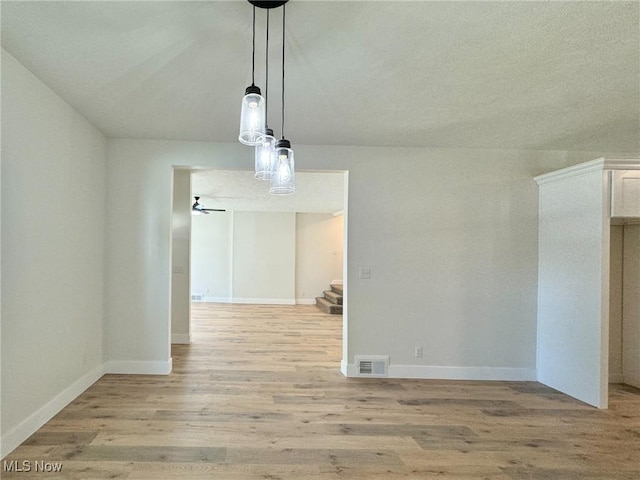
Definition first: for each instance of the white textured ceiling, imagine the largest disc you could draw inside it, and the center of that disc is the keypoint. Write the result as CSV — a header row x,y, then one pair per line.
x,y
316,192
537,75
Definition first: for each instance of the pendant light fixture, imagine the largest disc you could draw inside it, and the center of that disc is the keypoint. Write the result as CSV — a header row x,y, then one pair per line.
x,y
283,180
265,154
273,160
252,115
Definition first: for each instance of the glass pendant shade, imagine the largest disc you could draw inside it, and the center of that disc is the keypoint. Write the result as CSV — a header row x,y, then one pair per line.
x,y
252,117
283,179
266,156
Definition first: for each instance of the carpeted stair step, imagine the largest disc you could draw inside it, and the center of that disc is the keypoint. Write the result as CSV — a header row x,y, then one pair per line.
x,y
337,288
333,297
327,307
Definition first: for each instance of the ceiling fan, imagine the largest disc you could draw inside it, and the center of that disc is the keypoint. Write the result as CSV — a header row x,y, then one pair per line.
x,y
198,209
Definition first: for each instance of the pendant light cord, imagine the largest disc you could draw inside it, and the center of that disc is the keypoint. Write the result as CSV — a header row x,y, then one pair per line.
x,y
283,23
266,87
253,50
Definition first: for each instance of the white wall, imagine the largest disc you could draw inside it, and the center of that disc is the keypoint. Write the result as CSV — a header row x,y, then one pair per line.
x,y
180,257
53,218
264,252
573,298
138,264
631,305
211,256
319,253
450,235
2,450
216,241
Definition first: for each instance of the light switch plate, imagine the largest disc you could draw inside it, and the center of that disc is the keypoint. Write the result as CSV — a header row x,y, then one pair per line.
x,y
364,272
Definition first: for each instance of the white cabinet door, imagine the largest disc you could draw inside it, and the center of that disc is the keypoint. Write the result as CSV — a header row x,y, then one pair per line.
x,y
625,193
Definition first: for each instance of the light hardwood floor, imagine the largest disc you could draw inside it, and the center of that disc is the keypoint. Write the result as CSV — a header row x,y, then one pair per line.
x,y
259,395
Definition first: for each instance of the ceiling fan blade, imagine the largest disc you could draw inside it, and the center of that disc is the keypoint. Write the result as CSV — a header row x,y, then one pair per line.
x,y
197,207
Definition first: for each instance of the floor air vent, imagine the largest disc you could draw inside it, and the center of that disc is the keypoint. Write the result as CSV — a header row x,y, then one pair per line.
x,y
371,366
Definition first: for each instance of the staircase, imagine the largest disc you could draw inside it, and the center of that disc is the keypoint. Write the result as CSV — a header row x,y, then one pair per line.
x,y
332,300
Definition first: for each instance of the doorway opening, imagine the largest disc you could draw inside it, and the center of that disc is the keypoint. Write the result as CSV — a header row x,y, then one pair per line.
x,y
262,249
624,303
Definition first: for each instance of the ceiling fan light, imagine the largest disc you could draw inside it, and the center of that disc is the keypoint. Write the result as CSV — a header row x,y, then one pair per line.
x,y
252,117
265,156
283,179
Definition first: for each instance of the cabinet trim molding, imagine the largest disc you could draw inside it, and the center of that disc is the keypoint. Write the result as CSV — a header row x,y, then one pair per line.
x,y
599,164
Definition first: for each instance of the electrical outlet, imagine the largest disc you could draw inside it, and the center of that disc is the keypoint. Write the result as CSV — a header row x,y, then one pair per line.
x,y
418,352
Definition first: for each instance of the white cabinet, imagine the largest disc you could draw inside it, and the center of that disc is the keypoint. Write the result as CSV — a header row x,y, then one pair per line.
x,y
574,278
625,193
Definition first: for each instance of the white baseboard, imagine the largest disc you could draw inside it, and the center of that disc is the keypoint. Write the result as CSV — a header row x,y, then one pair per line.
x,y
305,301
451,373
344,369
252,301
139,368
181,338
18,434
217,299
212,300
14,437
265,301
463,373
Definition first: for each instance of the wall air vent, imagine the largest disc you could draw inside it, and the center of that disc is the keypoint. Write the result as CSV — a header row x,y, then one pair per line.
x,y
196,297
371,366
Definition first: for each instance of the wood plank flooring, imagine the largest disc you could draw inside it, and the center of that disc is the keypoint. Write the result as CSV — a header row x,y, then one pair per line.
x,y
259,395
